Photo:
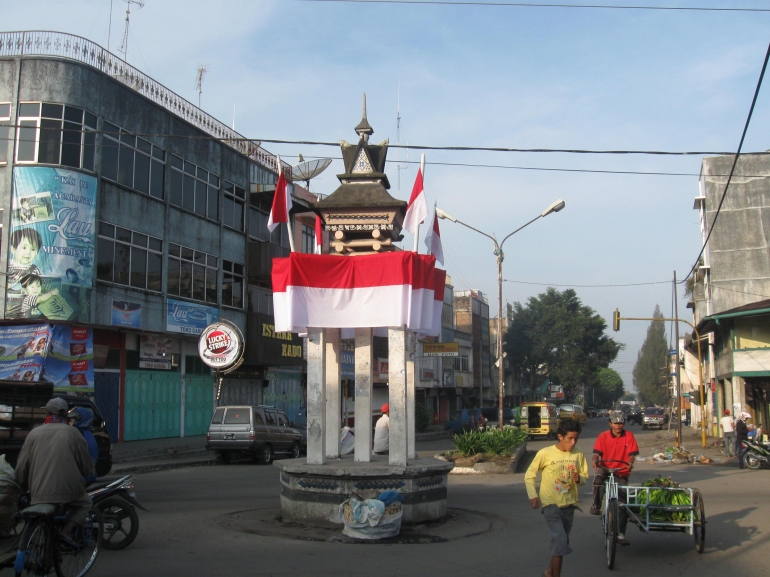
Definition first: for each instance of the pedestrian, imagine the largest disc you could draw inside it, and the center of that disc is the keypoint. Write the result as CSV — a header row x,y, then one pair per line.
x,y
741,436
614,449
382,432
473,424
727,425
562,469
482,422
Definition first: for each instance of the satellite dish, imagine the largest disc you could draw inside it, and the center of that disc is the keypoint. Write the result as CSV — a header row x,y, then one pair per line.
x,y
307,169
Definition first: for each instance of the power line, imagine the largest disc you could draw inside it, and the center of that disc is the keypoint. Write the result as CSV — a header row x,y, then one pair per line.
x,y
586,285
537,5
735,161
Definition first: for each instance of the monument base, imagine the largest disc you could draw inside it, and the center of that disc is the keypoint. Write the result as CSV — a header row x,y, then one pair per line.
x,y
315,492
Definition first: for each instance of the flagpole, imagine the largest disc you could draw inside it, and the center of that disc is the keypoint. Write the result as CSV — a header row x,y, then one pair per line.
x,y
417,232
288,216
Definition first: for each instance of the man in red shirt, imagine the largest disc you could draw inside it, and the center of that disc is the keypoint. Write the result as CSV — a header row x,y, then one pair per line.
x,y
617,444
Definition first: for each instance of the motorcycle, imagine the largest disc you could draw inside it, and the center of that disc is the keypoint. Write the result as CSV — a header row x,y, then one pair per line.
x,y
756,455
117,504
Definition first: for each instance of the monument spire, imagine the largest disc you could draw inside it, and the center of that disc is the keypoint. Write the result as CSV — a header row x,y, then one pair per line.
x,y
364,129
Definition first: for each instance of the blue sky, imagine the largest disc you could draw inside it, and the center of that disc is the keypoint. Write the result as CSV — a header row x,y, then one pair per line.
x,y
481,76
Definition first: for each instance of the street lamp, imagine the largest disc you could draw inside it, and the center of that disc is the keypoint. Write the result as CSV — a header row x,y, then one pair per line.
x,y
553,207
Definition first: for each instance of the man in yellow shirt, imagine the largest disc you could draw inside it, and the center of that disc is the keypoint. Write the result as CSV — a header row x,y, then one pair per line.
x,y
562,468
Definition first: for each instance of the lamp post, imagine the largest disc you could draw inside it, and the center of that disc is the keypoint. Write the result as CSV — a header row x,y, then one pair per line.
x,y
553,207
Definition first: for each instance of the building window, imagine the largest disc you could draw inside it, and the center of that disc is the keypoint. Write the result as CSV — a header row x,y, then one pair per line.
x,y
232,206
462,363
308,240
259,211
193,188
129,258
232,284
6,131
132,161
56,134
192,274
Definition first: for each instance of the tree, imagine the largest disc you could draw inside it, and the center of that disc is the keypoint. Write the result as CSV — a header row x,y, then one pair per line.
x,y
557,337
651,364
609,387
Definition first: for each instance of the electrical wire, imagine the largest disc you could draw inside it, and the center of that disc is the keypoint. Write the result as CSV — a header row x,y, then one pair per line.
x,y
735,162
586,285
538,5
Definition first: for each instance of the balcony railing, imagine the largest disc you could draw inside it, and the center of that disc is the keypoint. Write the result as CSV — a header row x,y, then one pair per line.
x,y
71,47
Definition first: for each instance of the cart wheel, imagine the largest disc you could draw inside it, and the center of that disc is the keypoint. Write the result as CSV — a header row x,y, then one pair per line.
x,y
699,523
611,532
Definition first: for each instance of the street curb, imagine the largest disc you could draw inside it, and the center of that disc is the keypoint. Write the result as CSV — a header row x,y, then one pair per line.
x,y
154,466
435,436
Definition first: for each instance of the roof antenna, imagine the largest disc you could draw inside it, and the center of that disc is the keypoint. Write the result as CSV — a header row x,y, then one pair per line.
x,y
124,45
202,69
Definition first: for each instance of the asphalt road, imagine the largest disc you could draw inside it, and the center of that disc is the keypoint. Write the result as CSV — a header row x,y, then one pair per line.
x,y
181,536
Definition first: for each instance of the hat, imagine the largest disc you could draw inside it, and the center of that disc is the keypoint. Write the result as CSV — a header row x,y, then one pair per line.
x,y
745,416
385,408
727,411
57,406
81,417
617,417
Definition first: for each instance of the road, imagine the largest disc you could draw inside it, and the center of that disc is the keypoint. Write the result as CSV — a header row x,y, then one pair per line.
x,y
181,535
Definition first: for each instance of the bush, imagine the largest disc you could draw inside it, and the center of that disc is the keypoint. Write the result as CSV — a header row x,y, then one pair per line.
x,y
422,418
492,442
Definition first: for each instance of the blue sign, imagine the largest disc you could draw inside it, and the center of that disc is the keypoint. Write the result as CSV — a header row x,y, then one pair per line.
x,y
189,318
126,314
347,364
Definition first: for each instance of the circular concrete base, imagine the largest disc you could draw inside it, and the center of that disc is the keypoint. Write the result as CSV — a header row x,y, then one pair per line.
x,y
313,493
457,524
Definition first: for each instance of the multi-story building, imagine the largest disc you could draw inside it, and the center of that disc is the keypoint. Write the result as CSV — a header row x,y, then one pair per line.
x,y
472,316
131,213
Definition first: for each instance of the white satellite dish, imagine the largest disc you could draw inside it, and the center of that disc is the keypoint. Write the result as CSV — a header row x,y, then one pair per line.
x,y
308,169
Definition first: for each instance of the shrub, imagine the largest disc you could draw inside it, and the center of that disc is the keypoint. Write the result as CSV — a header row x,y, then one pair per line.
x,y
422,418
490,441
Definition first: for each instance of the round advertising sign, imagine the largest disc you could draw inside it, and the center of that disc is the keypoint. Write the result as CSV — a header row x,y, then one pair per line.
x,y
220,345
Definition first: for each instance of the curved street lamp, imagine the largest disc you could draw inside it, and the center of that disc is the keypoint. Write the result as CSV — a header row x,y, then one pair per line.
x,y
555,206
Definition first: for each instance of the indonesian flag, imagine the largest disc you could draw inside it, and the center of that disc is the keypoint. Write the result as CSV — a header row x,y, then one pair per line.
x,y
392,289
281,202
433,240
417,209
319,235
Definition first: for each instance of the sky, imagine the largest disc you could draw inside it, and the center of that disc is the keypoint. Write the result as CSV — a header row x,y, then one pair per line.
x,y
483,76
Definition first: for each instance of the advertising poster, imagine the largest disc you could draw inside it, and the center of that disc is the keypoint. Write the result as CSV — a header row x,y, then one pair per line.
x,y
24,351
126,314
154,352
51,244
189,318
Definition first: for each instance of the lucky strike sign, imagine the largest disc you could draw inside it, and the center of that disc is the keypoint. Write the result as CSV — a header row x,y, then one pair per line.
x,y
220,345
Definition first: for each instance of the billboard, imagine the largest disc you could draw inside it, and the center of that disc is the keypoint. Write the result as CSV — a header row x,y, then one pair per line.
x,y
189,318
51,245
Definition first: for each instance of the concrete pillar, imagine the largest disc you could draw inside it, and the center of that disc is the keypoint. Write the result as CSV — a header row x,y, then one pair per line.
x,y
316,398
363,408
333,394
397,396
410,382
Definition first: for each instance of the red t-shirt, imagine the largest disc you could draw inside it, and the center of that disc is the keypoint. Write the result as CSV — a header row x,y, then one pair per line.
x,y
618,448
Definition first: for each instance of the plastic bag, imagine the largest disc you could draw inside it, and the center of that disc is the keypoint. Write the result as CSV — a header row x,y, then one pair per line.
x,y
347,441
9,497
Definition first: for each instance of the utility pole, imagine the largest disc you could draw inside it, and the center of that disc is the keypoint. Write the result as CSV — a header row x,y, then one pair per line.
x,y
678,375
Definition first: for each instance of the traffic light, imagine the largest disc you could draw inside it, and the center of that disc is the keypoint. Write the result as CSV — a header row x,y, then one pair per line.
x,y
616,320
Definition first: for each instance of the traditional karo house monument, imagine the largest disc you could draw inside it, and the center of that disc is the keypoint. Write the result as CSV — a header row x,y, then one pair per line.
x,y
364,284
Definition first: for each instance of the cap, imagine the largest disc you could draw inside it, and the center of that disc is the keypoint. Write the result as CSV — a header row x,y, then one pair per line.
x,y
727,411
385,408
57,406
81,417
617,417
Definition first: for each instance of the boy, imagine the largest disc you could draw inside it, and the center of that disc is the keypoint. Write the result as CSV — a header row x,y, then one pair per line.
x,y
563,468
33,287
25,244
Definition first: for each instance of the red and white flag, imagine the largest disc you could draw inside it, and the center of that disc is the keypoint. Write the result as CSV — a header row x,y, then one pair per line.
x,y
281,202
417,209
392,289
433,240
319,235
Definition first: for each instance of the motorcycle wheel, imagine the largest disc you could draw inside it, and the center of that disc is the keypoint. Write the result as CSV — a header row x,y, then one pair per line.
x,y
751,461
121,523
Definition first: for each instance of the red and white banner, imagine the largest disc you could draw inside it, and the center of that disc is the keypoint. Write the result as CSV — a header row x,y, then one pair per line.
x,y
281,202
319,235
392,289
433,240
417,209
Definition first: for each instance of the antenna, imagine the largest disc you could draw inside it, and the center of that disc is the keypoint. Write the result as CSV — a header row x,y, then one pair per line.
x,y
124,45
308,169
400,165
202,69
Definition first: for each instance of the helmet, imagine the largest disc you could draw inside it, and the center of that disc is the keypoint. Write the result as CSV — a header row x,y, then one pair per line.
x,y
617,417
81,417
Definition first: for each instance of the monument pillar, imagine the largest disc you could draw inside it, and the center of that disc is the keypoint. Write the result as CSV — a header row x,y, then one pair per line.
x,y
363,408
333,393
411,340
316,398
397,396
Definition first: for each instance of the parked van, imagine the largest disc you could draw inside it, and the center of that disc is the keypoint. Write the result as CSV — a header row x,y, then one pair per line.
x,y
539,418
259,432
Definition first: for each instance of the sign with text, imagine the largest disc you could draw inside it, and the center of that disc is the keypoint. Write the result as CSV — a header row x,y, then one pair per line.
x,y
126,314
189,318
155,352
221,345
441,349
267,347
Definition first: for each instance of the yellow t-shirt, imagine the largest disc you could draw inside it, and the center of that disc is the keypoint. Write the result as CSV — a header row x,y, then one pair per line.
x,y
556,484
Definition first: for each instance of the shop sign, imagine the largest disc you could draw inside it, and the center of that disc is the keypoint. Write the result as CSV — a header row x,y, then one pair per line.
x,y
267,347
383,371
189,318
126,314
427,374
155,352
221,345
441,349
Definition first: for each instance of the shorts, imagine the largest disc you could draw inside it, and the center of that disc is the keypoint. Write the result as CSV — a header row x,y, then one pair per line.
x,y
559,525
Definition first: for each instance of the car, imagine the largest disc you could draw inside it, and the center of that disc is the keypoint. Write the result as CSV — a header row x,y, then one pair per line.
x,y
259,432
300,424
573,412
634,417
492,415
592,413
539,418
462,421
98,429
654,417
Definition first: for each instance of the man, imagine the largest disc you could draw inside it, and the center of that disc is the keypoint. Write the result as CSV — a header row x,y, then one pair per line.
x,y
52,463
82,418
614,445
727,425
741,436
382,432
562,468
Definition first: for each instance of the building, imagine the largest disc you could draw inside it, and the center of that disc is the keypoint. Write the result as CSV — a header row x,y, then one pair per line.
x,y
147,219
472,316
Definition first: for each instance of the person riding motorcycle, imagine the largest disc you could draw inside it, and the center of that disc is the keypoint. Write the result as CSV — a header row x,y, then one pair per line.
x,y
52,463
81,418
